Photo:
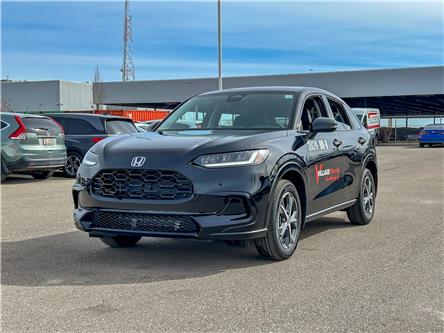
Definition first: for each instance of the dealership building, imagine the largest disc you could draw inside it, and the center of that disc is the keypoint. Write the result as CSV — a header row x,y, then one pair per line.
x,y
404,92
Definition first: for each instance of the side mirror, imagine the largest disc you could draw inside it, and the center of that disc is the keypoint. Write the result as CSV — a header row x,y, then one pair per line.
x,y
323,124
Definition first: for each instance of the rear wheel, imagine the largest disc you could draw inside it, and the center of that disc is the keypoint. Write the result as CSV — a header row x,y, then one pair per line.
x,y
120,241
285,223
3,173
362,211
421,145
73,162
42,174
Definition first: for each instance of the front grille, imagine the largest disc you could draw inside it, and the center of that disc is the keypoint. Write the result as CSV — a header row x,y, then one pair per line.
x,y
144,222
141,184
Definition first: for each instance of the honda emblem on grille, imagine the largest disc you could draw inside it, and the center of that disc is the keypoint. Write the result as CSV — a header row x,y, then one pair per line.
x,y
138,161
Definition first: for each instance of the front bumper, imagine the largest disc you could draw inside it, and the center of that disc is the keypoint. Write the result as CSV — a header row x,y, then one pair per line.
x,y
228,214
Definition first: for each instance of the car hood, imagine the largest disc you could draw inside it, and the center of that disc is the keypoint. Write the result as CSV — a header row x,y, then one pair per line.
x,y
193,142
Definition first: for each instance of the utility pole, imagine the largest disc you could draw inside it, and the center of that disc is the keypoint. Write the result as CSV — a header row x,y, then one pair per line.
x,y
219,45
98,92
128,72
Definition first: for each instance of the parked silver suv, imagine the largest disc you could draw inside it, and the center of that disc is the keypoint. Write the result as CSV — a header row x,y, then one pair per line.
x,y
31,144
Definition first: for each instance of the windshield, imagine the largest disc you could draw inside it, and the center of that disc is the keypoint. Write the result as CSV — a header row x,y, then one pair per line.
x,y
249,110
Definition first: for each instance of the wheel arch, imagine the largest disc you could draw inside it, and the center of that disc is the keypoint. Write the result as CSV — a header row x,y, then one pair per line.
x,y
75,151
370,163
293,172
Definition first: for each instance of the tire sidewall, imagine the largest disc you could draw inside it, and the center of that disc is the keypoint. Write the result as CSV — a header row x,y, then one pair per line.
x,y
283,187
3,172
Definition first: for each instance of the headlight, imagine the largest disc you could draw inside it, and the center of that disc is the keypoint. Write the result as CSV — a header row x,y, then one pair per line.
x,y
90,159
249,157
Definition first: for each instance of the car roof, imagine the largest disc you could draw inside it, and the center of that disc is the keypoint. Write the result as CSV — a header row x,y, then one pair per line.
x,y
268,89
365,109
21,115
84,115
434,125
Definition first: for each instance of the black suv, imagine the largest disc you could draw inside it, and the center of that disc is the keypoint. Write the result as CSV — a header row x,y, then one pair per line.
x,y
82,131
261,163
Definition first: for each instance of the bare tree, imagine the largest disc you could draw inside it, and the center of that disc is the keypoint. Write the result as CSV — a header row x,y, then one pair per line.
x,y
6,106
98,91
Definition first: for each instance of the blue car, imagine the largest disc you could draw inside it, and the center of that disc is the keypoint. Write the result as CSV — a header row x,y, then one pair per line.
x,y
431,135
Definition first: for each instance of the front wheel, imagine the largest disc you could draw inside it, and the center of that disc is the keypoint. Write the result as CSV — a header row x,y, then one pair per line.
x,y
421,145
285,223
120,241
362,211
42,174
73,162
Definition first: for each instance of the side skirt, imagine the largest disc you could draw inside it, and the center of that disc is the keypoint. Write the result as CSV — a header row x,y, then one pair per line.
x,y
329,210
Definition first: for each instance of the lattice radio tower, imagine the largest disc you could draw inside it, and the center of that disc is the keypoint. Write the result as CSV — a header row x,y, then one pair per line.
x,y
128,72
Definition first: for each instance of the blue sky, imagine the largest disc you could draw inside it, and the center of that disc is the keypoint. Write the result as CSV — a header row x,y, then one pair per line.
x,y
65,40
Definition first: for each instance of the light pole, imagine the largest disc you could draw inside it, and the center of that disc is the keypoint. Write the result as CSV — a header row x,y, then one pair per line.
x,y
219,45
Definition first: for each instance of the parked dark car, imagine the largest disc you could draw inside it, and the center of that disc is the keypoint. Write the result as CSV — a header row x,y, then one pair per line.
x,y
82,131
432,134
31,144
261,164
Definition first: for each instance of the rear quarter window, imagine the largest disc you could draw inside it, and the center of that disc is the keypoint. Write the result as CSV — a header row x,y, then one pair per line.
x,y
117,126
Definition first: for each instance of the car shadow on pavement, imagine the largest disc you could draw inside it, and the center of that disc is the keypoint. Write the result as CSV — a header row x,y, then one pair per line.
x,y
324,224
21,179
424,148
73,258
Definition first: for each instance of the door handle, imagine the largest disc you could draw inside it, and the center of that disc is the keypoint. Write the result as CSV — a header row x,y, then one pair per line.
x,y
337,143
361,140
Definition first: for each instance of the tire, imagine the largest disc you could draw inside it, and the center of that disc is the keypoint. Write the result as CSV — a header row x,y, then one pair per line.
x,y
284,225
3,173
42,174
120,241
361,213
73,162
421,145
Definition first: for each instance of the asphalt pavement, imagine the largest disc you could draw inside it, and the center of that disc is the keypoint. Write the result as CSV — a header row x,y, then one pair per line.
x,y
384,277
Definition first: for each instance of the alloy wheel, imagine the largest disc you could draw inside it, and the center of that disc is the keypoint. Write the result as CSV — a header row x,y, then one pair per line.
x,y
72,165
287,226
368,196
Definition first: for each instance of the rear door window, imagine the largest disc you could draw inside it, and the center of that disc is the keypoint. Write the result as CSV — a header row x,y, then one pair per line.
x,y
117,126
41,126
82,127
